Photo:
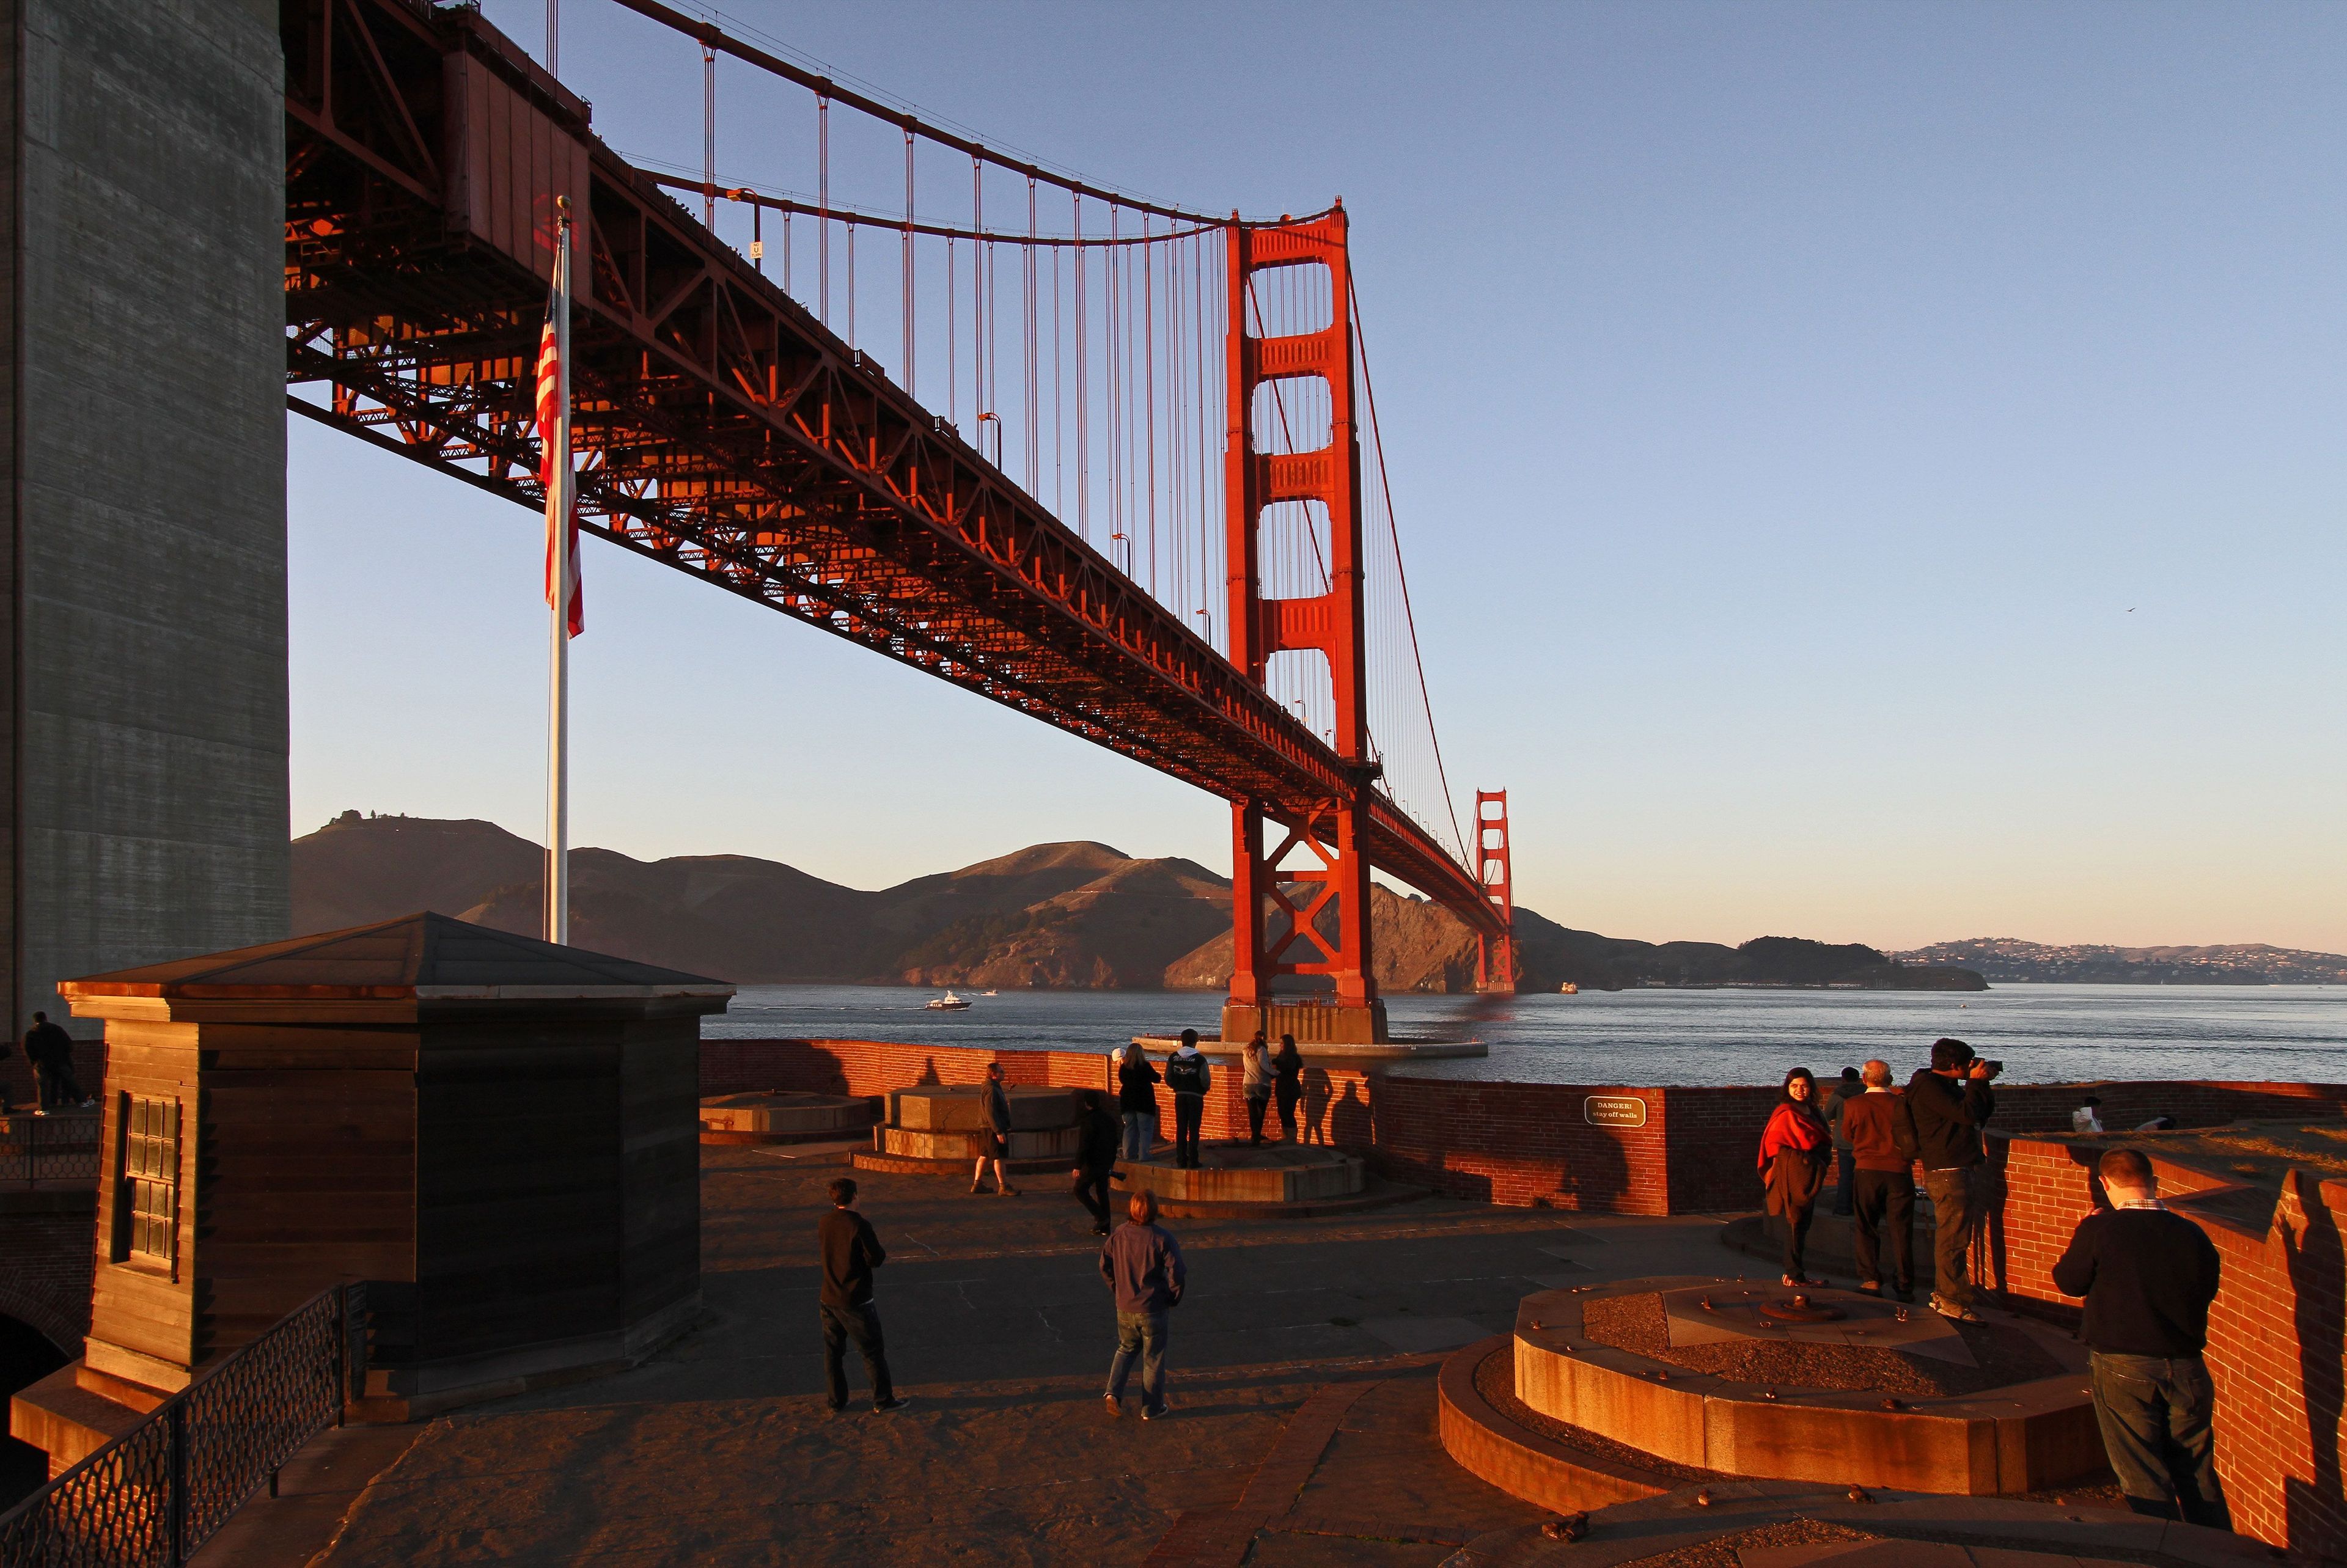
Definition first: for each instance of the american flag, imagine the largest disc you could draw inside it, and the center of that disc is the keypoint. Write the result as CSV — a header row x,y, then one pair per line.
x,y
550,410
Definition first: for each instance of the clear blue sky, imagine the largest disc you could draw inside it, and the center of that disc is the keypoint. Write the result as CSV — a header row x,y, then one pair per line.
x,y
1870,473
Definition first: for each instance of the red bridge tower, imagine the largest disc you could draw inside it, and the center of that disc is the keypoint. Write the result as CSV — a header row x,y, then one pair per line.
x,y
1495,956
1318,909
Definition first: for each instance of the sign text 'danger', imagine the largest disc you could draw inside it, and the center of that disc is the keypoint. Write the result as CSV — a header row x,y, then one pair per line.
x,y
1614,1111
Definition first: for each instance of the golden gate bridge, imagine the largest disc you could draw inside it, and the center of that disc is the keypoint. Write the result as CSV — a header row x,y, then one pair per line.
x,y
1107,461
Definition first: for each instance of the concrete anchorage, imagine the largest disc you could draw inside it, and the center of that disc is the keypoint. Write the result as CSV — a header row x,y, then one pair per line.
x,y
143,446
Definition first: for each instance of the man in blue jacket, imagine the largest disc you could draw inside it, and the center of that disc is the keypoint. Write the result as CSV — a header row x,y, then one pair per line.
x,y
1143,1263
2148,1277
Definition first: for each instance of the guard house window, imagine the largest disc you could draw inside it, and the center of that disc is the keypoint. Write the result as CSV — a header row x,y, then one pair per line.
x,y
150,1180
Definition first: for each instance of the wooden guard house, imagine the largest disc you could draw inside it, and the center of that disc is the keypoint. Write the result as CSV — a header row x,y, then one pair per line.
x,y
497,1135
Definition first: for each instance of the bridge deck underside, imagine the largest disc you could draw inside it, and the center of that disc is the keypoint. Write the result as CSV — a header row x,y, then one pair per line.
x,y
723,430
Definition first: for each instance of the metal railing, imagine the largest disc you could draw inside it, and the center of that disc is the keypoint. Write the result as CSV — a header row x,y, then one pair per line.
x,y
55,1148
156,1493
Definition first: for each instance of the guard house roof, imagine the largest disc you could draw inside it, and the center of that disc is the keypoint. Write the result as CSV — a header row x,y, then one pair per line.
x,y
417,959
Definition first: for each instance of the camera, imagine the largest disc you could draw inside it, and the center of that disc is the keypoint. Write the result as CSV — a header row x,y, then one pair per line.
x,y
1992,1068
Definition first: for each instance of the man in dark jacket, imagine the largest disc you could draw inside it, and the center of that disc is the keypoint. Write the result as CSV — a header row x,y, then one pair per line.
x,y
1096,1157
48,1051
1881,1136
1187,1076
1845,1162
1950,1102
850,1252
1143,1263
2148,1277
994,1142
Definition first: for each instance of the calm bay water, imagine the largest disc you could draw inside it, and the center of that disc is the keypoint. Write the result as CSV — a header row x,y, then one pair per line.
x,y
2043,1033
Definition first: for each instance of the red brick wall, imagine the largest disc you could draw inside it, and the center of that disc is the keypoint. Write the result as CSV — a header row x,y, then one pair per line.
x,y
50,1244
2277,1339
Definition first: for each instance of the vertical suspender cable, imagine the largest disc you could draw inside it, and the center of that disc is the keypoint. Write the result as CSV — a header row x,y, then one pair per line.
x,y
905,267
708,137
554,37
823,206
1059,403
1083,388
953,342
1034,401
980,407
851,283
1149,387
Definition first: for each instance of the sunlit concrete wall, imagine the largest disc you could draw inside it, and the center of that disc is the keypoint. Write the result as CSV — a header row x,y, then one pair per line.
x,y
144,454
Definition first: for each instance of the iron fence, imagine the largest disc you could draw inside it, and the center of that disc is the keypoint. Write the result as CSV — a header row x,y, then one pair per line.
x,y
153,1495
62,1147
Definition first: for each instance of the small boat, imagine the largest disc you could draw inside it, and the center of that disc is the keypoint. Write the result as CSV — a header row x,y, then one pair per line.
x,y
990,993
947,1003
1568,990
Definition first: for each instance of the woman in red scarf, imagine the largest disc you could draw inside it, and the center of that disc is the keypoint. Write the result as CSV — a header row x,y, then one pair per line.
x,y
1793,1155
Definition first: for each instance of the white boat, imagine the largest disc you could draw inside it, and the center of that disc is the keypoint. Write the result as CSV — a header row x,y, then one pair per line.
x,y
1568,990
990,993
948,1003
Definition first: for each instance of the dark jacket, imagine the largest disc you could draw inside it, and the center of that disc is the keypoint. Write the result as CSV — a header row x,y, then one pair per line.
x,y
1136,1085
1287,1069
47,1045
1949,1113
1881,1130
1188,1075
2148,1277
1843,1093
1100,1142
997,1108
1145,1264
850,1252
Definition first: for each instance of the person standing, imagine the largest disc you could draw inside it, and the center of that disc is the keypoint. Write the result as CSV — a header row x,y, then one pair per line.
x,y
1793,1149
1095,1158
1845,1164
48,1051
1187,1076
1143,1263
1882,1145
2088,1116
1950,1102
994,1142
2148,1277
1255,1063
850,1252
1136,1097
1286,1084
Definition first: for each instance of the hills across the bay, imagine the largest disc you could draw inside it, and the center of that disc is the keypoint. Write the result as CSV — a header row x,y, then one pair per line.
x,y
2008,958
1071,916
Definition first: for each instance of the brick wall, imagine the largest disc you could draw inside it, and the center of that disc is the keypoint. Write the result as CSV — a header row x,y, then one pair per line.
x,y
1516,1143
48,1242
2276,1338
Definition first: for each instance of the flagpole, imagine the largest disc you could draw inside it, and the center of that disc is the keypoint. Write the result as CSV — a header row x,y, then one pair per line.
x,y
557,516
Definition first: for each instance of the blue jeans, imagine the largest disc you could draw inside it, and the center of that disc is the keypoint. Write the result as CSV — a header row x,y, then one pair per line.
x,y
1140,1133
2155,1414
1142,1334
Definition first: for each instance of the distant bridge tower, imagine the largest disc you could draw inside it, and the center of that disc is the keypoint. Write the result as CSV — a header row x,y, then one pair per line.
x,y
1495,958
1287,370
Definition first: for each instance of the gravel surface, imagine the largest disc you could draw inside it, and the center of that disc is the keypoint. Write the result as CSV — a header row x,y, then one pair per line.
x,y
1722,1552
1495,1379
1637,1323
